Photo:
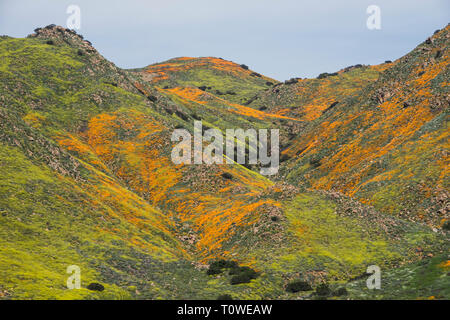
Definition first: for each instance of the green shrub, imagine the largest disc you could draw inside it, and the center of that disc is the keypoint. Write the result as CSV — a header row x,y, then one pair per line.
x,y
216,267
224,297
297,286
242,275
323,290
95,287
340,292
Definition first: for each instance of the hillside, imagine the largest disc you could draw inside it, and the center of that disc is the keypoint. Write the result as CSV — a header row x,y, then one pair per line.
x,y
86,178
233,82
387,145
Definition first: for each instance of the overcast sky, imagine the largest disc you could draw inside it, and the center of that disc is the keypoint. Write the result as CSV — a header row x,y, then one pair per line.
x,y
279,38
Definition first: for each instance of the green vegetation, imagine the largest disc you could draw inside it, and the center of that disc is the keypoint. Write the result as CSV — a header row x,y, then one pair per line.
x,y
86,179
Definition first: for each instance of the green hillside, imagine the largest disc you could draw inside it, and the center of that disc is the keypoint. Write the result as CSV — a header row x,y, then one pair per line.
x,y
86,179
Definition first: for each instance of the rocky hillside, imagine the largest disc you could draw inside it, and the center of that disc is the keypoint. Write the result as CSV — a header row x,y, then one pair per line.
x,y
86,177
386,145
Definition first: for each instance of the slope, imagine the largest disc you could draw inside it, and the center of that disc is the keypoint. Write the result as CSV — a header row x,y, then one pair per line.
x,y
386,146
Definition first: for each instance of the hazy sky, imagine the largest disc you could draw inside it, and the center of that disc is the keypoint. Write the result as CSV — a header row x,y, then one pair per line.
x,y
279,38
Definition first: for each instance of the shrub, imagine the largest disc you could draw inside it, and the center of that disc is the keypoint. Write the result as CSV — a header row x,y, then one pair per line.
x,y
222,263
284,157
213,269
95,287
227,176
274,218
243,66
291,81
315,162
224,297
152,98
446,225
242,275
323,290
182,115
326,74
297,286
341,292
80,52
334,104
50,42
216,267
388,61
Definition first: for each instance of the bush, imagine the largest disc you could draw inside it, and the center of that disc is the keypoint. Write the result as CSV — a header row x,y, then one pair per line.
x,y
216,267
323,290
50,42
284,157
95,287
291,81
213,270
222,263
341,292
152,98
227,175
297,286
242,275
315,162
334,104
181,115
326,74
243,66
446,225
224,297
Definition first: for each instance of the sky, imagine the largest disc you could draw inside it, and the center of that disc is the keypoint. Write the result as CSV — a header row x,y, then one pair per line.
x,y
278,38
